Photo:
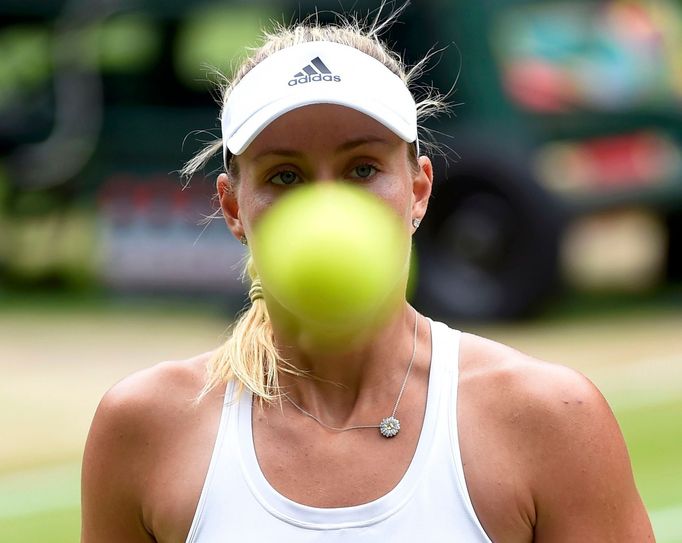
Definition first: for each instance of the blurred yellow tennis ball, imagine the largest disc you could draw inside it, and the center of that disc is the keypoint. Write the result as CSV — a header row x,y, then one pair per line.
x,y
332,254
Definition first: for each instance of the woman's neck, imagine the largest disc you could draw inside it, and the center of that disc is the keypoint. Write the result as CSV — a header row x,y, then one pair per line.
x,y
341,381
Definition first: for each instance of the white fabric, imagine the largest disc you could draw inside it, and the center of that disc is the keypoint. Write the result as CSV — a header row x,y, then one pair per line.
x,y
316,73
430,504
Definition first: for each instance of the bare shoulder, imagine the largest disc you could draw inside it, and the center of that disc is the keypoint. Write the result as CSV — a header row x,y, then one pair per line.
x,y
553,430
137,429
156,391
138,416
517,382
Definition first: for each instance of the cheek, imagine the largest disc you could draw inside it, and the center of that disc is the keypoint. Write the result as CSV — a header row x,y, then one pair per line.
x,y
397,194
252,205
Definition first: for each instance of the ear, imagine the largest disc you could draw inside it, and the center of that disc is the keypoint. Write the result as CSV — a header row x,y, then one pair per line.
x,y
422,183
229,205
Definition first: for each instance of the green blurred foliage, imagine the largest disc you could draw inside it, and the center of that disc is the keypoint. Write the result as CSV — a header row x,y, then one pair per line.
x,y
214,37
25,60
4,189
127,43
56,247
123,43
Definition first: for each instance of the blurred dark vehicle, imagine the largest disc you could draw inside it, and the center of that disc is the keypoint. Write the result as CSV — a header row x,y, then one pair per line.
x,y
568,109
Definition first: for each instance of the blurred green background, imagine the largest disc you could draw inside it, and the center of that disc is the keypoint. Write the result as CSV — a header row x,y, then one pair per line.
x,y
555,224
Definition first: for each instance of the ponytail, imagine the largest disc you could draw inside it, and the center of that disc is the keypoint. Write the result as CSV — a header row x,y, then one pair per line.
x,y
249,356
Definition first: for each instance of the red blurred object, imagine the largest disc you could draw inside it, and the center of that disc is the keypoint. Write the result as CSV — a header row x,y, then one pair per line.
x,y
633,159
613,163
539,86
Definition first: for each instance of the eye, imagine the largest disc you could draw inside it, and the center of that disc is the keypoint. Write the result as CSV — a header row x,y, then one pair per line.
x,y
363,171
285,177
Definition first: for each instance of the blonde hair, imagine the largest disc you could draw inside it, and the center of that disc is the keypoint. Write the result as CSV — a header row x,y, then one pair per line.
x,y
249,355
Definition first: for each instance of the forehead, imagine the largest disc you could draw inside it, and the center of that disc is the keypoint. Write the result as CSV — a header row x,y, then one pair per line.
x,y
321,127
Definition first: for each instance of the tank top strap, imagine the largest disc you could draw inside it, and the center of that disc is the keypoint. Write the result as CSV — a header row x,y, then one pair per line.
x,y
221,449
445,355
447,351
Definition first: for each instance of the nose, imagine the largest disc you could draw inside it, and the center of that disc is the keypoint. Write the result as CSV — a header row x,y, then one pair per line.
x,y
324,170
326,179
325,166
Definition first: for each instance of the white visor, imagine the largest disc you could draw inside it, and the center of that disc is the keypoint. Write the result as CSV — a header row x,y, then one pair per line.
x,y
316,73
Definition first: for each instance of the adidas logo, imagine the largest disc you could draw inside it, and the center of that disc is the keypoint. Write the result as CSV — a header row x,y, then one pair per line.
x,y
315,71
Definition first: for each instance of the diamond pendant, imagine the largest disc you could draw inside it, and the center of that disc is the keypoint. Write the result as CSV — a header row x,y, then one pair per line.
x,y
389,427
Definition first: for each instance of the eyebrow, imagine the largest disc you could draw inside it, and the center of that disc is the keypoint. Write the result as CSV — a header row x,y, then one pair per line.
x,y
352,144
346,146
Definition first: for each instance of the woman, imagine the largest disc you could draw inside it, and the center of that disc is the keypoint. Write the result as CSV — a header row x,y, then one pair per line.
x,y
418,432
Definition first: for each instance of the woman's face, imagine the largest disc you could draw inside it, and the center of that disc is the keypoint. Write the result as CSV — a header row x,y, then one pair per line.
x,y
321,144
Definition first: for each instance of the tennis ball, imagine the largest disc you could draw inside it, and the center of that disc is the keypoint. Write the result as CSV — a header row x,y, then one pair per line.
x,y
333,255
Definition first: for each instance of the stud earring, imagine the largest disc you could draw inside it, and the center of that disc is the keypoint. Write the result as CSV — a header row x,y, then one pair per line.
x,y
243,240
416,222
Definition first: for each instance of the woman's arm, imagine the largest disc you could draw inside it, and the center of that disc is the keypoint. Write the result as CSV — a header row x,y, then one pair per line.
x,y
114,470
582,482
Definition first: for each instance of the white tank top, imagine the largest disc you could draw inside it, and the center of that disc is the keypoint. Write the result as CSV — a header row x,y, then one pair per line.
x,y
429,504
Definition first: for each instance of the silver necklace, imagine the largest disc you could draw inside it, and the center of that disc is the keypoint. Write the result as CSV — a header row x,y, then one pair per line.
x,y
389,426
